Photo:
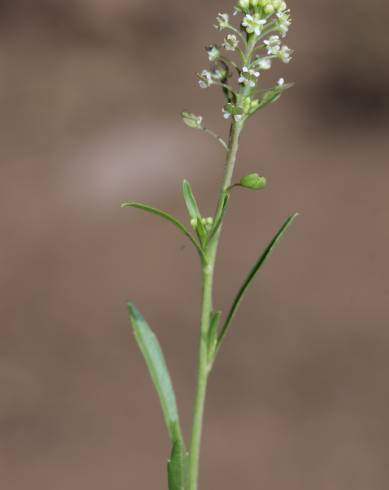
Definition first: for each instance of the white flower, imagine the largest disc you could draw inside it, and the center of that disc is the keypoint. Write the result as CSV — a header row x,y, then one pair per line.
x,y
223,21
283,22
263,63
205,79
273,45
213,53
281,82
231,42
253,24
248,76
285,54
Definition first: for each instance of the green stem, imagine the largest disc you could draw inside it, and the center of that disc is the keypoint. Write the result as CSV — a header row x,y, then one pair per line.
x,y
202,380
208,275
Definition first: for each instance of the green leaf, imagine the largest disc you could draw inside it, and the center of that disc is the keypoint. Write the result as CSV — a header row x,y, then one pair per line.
x,y
194,211
219,218
260,262
152,353
190,201
271,96
177,467
213,335
166,216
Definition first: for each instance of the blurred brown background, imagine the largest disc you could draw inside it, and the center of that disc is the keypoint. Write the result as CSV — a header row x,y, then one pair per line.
x,y
90,92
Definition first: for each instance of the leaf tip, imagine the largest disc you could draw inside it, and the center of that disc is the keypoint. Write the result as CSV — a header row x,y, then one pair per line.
x,y
127,204
134,313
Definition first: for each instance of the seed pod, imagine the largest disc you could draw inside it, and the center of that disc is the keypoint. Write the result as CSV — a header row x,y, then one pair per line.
x,y
253,181
192,120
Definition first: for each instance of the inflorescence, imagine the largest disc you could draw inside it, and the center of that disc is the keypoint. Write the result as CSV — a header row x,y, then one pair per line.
x,y
258,41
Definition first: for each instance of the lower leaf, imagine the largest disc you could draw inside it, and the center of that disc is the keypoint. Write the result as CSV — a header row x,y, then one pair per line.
x,y
177,467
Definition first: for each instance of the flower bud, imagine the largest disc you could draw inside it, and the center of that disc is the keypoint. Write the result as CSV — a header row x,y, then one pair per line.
x,y
244,4
269,9
253,181
193,223
192,120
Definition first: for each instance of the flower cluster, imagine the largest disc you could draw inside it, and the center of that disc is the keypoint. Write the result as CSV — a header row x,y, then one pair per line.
x,y
266,7
258,42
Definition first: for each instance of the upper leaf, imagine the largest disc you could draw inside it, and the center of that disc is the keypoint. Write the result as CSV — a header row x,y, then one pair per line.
x,y
213,335
190,201
219,218
250,277
166,216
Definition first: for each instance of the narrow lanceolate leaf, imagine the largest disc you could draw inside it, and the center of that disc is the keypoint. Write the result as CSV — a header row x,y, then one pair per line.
x,y
213,335
190,201
272,96
177,467
152,353
260,262
166,216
